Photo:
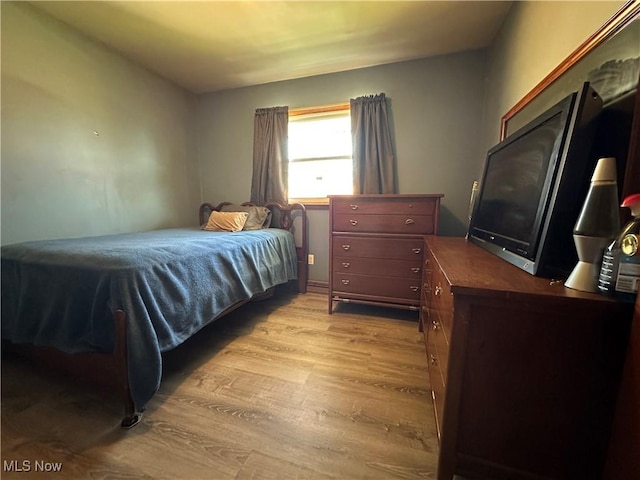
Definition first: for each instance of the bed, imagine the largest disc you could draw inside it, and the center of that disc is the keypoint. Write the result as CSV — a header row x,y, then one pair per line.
x,y
111,305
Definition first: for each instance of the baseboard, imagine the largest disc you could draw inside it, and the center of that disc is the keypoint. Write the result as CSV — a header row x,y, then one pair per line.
x,y
315,286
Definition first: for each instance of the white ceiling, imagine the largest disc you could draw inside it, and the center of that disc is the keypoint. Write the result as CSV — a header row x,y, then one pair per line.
x,y
213,45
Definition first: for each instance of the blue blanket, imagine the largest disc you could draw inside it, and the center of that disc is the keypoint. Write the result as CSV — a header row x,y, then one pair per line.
x,y
170,283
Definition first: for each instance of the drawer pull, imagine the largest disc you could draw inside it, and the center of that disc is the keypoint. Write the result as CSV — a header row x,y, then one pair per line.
x,y
438,290
436,324
409,221
434,360
416,250
354,206
415,269
346,246
345,281
413,288
353,222
346,264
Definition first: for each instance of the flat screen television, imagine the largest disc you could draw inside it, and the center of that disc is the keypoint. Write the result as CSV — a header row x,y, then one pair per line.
x,y
533,186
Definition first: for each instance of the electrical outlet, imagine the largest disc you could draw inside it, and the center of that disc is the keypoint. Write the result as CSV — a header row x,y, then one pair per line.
x,y
311,259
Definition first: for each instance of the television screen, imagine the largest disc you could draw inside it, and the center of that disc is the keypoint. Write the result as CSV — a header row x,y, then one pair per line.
x,y
517,178
533,186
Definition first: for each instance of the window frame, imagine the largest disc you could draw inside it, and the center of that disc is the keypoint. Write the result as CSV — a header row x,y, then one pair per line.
x,y
298,112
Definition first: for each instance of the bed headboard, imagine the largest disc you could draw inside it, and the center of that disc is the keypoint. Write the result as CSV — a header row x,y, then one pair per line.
x,y
291,217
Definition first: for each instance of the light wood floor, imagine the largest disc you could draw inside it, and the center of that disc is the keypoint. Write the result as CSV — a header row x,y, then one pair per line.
x,y
278,389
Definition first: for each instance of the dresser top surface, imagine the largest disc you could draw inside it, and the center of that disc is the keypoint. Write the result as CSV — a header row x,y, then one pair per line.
x,y
473,271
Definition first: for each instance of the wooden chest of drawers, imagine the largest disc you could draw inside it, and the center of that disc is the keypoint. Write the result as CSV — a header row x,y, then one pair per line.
x,y
376,247
523,371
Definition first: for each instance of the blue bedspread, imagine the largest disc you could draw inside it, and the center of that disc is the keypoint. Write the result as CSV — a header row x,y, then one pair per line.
x,y
170,283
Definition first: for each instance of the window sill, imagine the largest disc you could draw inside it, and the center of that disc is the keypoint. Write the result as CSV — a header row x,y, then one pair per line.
x,y
313,203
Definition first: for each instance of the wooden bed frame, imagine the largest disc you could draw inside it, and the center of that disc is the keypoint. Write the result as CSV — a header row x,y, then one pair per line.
x,y
109,371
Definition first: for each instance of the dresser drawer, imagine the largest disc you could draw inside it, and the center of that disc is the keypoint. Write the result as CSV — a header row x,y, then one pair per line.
x,y
427,276
378,247
383,223
425,300
392,287
442,301
441,346
386,205
378,266
436,380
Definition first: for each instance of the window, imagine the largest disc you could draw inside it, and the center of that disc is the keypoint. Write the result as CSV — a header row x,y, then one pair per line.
x,y
320,161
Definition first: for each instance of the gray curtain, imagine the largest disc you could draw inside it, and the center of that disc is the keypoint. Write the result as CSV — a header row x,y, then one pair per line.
x,y
373,162
270,162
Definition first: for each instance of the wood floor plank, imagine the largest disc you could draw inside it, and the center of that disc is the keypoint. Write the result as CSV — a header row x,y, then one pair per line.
x,y
277,389
260,466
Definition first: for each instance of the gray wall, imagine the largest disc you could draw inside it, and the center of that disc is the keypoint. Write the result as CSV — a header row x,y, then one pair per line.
x,y
534,39
436,107
59,178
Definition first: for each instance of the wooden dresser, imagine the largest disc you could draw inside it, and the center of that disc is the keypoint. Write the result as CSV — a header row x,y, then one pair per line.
x,y
524,372
376,247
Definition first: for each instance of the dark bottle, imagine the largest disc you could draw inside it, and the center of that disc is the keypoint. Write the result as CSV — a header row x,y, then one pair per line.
x,y
620,269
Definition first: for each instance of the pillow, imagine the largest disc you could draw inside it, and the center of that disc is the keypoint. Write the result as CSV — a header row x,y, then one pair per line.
x,y
226,221
259,217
